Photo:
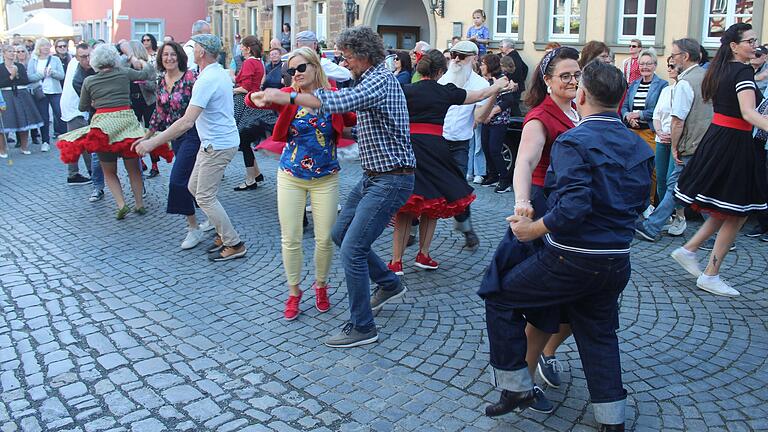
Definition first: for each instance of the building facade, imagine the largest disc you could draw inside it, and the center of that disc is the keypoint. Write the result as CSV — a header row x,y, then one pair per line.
x,y
534,23
265,18
16,12
113,20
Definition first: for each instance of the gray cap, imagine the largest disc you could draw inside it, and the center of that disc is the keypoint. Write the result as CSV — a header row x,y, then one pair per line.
x,y
465,47
209,42
306,36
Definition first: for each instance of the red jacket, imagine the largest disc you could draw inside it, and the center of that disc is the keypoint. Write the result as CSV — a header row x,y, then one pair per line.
x,y
286,114
250,75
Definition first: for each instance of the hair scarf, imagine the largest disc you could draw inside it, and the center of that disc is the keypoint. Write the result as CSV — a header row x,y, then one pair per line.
x,y
548,59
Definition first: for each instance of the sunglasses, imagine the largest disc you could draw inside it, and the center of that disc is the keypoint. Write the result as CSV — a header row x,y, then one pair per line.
x,y
146,40
669,66
460,56
634,46
300,68
61,46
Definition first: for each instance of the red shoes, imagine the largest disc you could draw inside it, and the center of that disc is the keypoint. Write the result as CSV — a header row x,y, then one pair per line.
x,y
321,298
321,302
425,262
396,267
292,307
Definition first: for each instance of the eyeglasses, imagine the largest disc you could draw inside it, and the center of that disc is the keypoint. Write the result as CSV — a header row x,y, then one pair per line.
x,y
300,68
751,41
458,55
673,55
670,66
646,64
567,77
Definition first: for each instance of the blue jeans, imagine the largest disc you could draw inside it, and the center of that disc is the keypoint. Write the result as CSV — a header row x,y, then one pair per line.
x,y
185,148
663,159
587,288
369,208
476,165
97,175
666,207
493,141
460,153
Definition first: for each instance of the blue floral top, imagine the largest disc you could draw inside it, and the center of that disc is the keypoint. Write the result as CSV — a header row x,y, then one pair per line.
x,y
482,33
311,148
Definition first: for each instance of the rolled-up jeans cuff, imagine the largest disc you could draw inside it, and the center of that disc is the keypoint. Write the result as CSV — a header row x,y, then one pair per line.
x,y
516,381
610,413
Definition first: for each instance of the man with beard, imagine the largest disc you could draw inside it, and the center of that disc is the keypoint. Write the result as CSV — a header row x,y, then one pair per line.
x,y
460,121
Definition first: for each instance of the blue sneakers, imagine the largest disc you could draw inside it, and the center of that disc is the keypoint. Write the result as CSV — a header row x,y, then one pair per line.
x,y
549,370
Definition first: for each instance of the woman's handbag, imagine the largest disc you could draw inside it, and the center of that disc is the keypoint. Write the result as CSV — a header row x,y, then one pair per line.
x,y
37,92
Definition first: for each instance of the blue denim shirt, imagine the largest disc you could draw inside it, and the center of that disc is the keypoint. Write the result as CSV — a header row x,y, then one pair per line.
x,y
599,180
657,85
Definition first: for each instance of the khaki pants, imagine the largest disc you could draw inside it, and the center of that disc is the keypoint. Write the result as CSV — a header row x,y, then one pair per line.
x,y
204,186
650,137
291,199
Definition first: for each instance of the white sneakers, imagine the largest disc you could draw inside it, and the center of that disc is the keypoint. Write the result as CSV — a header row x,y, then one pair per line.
x,y
45,147
194,237
716,286
710,284
648,211
477,179
206,226
677,226
687,260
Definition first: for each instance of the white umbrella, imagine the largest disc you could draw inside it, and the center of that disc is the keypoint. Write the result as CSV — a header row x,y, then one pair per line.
x,y
44,25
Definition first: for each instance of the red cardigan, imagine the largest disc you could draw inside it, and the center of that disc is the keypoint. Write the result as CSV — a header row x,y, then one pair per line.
x,y
288,112
250,75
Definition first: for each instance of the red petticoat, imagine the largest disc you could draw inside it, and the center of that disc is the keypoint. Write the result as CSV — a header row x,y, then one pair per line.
x,y
437,208
717,214
96,141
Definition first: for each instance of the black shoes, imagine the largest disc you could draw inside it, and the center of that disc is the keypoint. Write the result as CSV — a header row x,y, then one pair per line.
x,y
471,241
611,428
510,401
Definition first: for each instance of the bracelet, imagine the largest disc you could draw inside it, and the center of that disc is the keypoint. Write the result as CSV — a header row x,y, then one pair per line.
x,y
522,201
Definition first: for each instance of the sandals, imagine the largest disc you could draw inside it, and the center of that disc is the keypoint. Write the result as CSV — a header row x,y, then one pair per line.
x,y
121,213
244,186
140,211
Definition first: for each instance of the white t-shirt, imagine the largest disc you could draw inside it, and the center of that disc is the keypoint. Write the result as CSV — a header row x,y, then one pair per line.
x,y
189,50
334,71
69,98
460,119
213,93
663,110
682,96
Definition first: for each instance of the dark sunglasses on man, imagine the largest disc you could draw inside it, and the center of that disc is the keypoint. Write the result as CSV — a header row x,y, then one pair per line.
x,y
300,68
458,55
61,46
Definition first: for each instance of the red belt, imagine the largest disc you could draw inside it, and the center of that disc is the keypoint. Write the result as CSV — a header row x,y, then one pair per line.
x,y
731,122
111,109
426,129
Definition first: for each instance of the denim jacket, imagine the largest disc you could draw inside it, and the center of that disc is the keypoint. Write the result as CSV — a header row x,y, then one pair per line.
x,y
657,84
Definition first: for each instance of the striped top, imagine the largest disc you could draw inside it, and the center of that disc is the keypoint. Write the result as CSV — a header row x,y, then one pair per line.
x,y
638,104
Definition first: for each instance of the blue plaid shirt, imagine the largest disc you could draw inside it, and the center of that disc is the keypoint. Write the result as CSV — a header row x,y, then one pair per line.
x,y
383,131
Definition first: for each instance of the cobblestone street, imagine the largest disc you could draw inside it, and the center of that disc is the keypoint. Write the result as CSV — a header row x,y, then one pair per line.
x,y
108,325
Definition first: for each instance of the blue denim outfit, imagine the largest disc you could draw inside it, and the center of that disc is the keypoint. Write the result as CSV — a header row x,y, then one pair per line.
x,y
596,190
97,175
185,148
666,207
476,158
654,91
369,207
663,160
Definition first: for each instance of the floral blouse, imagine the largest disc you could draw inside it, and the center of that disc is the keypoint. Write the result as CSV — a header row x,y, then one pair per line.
x,y
311,148
171,106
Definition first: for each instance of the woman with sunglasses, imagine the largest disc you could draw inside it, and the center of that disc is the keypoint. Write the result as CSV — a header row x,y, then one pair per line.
x,y
440,190
726,176
20,114
550,96
251,123
150,44
308,166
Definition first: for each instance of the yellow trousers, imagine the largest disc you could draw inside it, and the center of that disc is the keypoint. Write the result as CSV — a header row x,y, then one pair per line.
x,y
650,137
291,199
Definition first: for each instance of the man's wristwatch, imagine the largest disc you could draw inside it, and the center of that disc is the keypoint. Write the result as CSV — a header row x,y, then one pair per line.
x,y
293,97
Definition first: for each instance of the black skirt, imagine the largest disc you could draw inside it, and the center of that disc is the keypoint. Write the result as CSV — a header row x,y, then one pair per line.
x,y
252,118
726,175
440,189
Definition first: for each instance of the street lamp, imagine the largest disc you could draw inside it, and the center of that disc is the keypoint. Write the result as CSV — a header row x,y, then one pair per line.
x,y
437,7
351,9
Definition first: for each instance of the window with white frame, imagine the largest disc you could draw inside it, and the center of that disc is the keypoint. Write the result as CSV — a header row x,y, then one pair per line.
x,y
142,27
721,14
507,16
321,26
564,19
637,20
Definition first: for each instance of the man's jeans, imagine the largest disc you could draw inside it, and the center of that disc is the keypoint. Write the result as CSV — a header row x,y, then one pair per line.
x,y
587,288
204,186
97,175
369,208
476,164
666,207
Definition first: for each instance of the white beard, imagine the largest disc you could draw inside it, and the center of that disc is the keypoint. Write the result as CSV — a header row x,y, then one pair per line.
x,y
458,74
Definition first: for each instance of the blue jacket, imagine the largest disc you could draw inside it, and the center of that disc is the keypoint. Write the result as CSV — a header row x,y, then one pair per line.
x,y
599,181
657,85
404,77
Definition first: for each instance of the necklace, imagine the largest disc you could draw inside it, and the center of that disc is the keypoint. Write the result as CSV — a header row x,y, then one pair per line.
x,y
572,115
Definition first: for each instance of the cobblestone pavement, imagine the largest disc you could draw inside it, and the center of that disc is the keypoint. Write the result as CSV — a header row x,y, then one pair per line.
x,y
108,325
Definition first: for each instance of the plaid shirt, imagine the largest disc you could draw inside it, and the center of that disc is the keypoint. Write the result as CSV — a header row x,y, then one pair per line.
x,y
383,130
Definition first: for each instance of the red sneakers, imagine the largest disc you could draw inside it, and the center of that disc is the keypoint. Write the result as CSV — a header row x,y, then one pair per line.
x,y
292,307
425,262
396,267
321,298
